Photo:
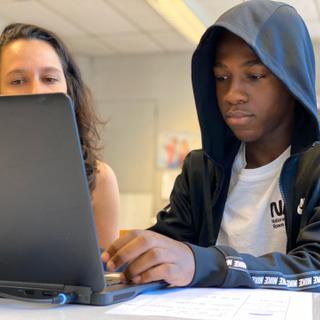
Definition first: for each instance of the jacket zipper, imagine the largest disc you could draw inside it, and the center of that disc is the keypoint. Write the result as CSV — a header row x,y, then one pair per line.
x,y
286,202
285,199
216,194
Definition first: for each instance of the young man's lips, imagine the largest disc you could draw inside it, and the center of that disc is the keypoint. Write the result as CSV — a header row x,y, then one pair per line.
x,y
238,114
238,117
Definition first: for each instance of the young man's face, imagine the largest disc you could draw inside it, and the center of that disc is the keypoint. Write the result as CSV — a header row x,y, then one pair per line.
x,y
254,103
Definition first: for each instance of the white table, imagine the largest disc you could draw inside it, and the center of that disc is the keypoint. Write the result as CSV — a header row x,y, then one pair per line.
x,y
16,310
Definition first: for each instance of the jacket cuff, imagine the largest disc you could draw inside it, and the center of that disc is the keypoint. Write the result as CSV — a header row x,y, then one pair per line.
x,y
210,267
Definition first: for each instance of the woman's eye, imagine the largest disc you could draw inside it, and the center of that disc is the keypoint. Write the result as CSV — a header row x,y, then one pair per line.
x,y
17,82
50,80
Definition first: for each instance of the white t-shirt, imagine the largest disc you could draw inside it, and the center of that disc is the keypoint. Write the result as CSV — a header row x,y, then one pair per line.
x,y
253,219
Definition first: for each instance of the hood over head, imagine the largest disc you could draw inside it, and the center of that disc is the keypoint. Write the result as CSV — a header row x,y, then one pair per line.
x,y
279,37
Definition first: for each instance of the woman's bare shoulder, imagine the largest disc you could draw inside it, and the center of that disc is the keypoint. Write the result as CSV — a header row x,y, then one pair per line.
x,y
105,174
106,204
106,189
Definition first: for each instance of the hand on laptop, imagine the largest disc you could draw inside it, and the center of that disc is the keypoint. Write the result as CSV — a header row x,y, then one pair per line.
x,y
150,257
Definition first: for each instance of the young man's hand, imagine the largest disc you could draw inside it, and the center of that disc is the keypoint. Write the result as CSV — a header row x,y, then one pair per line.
x,y
150,257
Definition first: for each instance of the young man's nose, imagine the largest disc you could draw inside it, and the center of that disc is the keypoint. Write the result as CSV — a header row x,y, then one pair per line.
x,y
236,93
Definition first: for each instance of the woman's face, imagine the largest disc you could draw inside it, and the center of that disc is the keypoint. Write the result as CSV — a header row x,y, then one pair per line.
x,y
30,67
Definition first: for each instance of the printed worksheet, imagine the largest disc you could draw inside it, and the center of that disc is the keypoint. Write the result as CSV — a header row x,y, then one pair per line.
x,y
220,304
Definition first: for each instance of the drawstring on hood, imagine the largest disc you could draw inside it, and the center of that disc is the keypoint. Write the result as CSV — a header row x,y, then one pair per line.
x,y
279,37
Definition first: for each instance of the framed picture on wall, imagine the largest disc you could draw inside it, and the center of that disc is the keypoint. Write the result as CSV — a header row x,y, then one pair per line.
x,y
173,148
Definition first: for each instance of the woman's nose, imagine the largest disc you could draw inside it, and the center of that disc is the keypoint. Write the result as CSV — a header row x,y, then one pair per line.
x,y
37,87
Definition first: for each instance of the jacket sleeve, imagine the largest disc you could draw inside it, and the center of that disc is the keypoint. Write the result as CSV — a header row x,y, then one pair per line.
x,y
299,269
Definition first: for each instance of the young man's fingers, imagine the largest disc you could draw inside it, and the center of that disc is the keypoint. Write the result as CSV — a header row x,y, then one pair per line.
x,y
166,272
120,242
132,250
148,260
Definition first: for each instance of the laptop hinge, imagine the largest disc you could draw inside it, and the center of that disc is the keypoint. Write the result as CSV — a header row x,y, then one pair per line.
x,y
83,294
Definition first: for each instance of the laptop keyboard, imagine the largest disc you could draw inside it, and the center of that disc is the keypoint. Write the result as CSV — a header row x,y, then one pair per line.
x,y
112,279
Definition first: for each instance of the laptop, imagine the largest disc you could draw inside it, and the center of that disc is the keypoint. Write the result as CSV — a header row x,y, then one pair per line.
x,y
48,239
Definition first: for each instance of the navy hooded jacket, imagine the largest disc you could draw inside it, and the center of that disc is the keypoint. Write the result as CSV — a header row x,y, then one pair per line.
x,y
278,35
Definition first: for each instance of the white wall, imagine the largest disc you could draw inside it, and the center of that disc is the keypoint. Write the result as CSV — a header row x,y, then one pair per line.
x,y
140,95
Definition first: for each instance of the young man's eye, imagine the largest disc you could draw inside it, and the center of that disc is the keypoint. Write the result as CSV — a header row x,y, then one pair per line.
x,y
255,77
220,78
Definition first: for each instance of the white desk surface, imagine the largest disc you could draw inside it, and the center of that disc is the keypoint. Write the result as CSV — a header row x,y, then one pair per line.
x,y
16,310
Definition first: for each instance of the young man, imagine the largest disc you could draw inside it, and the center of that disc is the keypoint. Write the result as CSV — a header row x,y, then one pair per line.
x,y
245,211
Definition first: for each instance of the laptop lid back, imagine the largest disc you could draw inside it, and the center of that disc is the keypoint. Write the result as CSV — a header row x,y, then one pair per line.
x,y
47,231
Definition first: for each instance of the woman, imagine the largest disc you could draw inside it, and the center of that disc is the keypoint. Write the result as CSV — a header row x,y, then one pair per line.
x,y
34,60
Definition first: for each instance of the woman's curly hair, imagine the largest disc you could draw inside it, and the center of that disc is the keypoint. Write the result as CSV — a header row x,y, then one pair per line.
x,y
86,118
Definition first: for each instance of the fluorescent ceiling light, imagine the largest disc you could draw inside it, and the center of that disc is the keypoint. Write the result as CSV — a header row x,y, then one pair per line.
x,y
179,15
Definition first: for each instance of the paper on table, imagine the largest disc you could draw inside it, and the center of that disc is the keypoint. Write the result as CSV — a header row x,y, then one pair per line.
x,y
220,304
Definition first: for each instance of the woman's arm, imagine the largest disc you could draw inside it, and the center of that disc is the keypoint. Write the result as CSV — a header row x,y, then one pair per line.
x,y
106,205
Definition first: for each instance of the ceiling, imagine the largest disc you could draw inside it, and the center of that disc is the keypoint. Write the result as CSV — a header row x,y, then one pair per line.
x,y
209,10
104,27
